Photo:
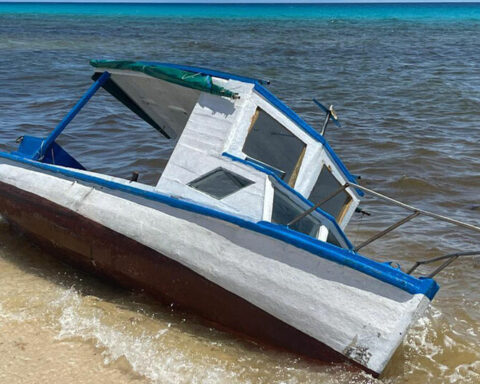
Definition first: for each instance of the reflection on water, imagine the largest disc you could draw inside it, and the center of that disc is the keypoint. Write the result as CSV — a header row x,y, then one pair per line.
x,y
408,98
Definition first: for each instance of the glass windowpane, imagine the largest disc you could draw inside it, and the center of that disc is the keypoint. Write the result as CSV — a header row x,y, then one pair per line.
x,y
285,210
220,183
271,143
326,185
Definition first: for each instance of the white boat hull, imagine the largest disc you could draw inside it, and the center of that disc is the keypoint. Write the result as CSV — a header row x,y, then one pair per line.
x,y
297,299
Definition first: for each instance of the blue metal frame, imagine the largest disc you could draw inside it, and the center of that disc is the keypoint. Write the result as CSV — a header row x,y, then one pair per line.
x,y
381,271
56,155
50,139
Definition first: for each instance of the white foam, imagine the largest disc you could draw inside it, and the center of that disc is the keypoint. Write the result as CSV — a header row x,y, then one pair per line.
x,y
12,316
436,339
144,353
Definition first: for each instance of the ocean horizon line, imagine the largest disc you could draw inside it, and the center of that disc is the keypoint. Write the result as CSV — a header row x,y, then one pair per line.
x,y
347,10
247,2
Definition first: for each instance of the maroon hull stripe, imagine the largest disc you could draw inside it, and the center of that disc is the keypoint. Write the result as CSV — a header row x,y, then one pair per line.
x,y
131,264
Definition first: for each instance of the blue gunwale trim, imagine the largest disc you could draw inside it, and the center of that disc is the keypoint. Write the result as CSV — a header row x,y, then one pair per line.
x,y
292,190
380,271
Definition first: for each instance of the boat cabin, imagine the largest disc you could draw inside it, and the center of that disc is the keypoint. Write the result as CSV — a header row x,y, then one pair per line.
x,y
238,148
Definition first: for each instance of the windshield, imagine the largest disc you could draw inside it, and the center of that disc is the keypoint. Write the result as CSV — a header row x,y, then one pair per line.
x,y
271,143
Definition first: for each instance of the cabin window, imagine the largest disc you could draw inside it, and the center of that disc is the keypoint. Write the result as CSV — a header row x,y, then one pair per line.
x,y
285,210
220,183
271,143
331,238
326,185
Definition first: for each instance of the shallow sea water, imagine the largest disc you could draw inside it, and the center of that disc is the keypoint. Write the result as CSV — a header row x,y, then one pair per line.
x,y
407,90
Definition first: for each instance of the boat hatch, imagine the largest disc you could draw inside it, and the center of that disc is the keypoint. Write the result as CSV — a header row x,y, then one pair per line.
x,y
220,183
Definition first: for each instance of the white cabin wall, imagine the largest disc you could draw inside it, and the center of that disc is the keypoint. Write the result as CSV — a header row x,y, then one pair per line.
x,y
327,160
199,151
268,201
217,125
238,134
314,159
254,100
310,169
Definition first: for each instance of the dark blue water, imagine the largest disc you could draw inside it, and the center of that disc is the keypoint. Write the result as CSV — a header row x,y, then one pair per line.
x,y
404,78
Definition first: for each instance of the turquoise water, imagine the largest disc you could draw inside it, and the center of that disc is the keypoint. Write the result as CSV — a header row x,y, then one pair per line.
x,y
430,11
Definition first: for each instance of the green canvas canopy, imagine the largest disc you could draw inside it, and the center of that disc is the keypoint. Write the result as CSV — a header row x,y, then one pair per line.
x,y
194,80
161,94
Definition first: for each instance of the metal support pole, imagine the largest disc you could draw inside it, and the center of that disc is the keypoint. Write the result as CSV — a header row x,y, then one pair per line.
x,y
321,202
50,139
327,119
411,208
443,266
330,114
451,258
388,230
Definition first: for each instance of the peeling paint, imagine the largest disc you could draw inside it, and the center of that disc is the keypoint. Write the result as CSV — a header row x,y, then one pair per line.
x,y
357,353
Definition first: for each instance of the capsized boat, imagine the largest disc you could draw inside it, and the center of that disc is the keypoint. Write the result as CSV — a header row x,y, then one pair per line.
x,y
245,226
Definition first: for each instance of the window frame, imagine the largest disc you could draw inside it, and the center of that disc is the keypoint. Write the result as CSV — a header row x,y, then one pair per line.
x,y
298,164
325,221
345,207
212,172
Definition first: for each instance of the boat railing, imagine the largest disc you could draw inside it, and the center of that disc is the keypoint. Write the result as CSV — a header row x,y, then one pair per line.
x,y
415,212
